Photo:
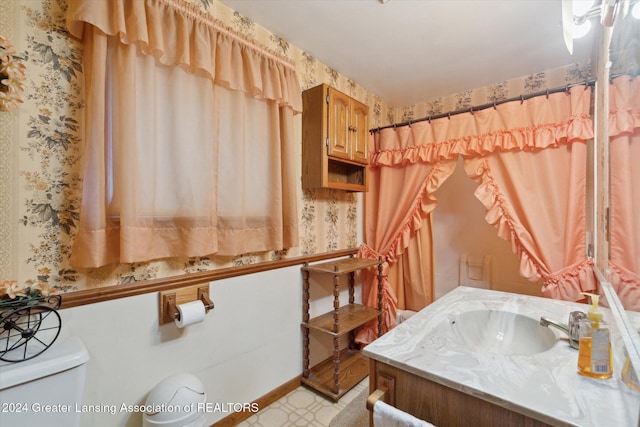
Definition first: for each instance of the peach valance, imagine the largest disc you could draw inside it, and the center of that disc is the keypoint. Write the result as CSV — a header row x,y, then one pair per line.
x,y
177,33
540,122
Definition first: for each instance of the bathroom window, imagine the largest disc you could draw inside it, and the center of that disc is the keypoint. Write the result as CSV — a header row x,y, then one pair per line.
x,y
188,154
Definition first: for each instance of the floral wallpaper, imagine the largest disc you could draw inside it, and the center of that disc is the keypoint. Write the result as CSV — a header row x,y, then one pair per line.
x,y
41,151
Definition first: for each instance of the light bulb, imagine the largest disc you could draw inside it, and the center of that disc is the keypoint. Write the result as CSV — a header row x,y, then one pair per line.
x,y
635,11
580,30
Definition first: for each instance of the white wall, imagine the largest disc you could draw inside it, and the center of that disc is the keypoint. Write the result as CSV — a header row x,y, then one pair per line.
x,y
247,346
459,227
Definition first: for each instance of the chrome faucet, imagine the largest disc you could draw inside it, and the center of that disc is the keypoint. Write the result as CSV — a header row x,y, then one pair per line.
x,y
572,329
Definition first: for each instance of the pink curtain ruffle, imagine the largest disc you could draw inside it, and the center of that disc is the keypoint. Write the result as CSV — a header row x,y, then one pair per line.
x,y
627,285
390,244
578,129
537,123
624,108
567,285
424,204
564,283
496,215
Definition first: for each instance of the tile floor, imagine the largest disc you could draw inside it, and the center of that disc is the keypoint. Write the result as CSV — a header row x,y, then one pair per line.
x,y
302,407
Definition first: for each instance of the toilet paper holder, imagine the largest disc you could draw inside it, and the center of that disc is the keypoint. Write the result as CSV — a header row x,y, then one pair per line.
x,y
169,301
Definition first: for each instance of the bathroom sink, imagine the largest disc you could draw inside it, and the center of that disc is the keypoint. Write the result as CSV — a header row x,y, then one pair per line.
x,y
501,332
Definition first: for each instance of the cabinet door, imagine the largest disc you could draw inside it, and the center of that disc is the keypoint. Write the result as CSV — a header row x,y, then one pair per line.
x,y
359,132
338,125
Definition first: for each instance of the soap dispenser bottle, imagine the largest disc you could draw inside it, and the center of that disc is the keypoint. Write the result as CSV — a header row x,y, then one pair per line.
x,y
594,352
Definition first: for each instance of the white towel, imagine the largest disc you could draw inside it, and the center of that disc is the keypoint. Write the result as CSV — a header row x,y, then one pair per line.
x,y
385,415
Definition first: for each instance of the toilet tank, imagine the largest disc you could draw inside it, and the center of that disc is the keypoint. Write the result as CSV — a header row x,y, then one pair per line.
x,y
46,390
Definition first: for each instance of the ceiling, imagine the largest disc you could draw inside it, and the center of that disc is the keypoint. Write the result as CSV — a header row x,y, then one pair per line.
x,y
409,51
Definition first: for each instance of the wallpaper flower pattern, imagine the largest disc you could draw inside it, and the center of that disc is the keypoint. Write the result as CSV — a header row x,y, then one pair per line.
x,y
52,183
41,153
11,76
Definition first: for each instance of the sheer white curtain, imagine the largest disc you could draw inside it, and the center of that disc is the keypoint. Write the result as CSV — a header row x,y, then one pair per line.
x,y
256,184
189,136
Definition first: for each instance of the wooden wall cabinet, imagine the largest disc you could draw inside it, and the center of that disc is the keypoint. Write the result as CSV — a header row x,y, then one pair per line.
x,y
335,137
339,373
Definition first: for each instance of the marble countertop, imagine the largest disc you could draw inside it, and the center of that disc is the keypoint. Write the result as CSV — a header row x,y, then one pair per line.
x,y
545,385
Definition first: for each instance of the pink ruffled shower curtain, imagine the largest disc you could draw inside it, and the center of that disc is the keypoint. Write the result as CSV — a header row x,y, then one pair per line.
x,y
536,200
398,201
624,145
540,142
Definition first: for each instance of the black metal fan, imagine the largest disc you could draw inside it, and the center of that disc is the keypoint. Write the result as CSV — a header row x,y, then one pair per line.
x,y
28,327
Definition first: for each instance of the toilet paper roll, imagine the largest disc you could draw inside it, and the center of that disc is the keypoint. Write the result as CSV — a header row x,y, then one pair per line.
x,y
190,313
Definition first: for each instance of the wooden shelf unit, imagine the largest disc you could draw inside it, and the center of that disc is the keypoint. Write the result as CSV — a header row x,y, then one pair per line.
x,y
336,375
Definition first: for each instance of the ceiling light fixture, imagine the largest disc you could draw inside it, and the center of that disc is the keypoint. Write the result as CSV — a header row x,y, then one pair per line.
x,y
577,15
580,30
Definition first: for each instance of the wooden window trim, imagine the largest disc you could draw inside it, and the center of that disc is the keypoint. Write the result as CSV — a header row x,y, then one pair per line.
x,y
107,293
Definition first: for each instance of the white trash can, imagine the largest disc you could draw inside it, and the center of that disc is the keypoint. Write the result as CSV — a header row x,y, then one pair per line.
x,y
177,401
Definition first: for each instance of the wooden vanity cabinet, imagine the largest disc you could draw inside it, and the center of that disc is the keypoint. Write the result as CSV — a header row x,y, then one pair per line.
x,y
335,138
339,373
439,404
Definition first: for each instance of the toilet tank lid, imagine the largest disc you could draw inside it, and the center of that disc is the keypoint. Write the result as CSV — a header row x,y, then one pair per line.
x,y
61,356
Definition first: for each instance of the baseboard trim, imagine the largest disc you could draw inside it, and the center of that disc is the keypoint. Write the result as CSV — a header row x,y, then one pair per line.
x,y
264,401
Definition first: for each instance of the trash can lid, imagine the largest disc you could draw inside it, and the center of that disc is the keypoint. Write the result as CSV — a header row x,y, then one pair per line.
x,y
174,399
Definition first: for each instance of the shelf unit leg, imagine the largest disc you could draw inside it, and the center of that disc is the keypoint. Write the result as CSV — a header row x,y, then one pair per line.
x,y
305,319
336,323
336,301
380,297
352,283
336,365
305,353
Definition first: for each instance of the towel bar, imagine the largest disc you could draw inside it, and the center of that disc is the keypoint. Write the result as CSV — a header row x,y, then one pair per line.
x,y
374,397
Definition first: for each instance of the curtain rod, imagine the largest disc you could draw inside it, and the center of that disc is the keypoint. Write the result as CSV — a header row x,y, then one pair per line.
x,y
471,110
